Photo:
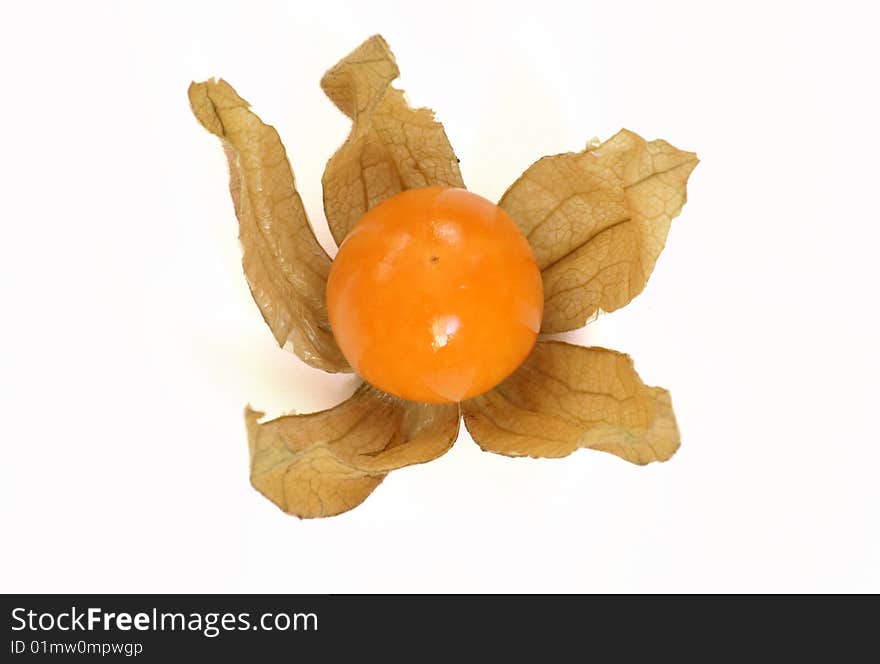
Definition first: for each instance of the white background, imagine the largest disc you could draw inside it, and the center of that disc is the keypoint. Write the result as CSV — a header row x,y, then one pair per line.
x,y
130,344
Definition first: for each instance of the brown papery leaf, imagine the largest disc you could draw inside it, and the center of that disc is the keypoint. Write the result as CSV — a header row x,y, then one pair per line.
x,y
326,463
567,397
285,266
391,147
597,220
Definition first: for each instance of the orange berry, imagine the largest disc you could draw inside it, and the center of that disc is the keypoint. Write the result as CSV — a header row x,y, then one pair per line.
x,y
435,295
